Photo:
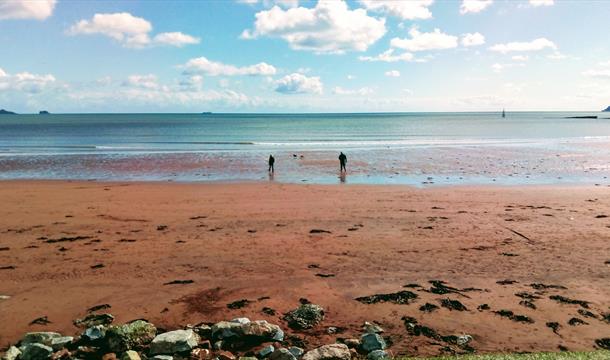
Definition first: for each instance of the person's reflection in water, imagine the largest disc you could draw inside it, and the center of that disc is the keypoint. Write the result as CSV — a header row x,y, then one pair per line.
x,y
271,176
342,177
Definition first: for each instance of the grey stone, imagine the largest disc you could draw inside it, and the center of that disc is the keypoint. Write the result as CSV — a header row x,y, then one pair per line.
x,y
296,351
370,342
372,328
129,336
377,355
226,329
96,332
305,316
328,352
463,340
203,330
162,357
241,320
352,343
266,351
61,342
130,355
94,319
42,337
35,351
12,353
282,354
263,330
174,342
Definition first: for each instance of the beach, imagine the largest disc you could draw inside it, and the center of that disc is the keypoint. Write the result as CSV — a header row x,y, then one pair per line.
x,y
179,253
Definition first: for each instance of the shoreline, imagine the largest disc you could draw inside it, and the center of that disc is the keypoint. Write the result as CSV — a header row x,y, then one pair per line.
x,y
256,240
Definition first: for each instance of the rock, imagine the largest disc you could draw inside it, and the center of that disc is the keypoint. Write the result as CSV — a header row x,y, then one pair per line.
x,y
328,352
463,340
377,355
109,356
218,345
226,329
282,354
43,337
370,342
225,355
263,330
133,335
241,320
203,330
372,328
296,351
43,112
61,342
174,342
352,343
12,353
35,351
130,355
266,351
95,333
94,319
305,316
162,357
247,358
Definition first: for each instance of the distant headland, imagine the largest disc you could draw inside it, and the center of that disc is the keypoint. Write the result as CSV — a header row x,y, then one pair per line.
x,y
606,109
43,112
6,112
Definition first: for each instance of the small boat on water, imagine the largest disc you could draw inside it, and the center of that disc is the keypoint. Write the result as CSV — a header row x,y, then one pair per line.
x,y
503,113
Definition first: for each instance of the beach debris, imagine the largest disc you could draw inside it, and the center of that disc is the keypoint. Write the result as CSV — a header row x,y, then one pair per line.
x,y
313,266
483,307
328,352
98,308
587,313
97,266
506,282
161,227
508,254
179,282
527,304
43,320
35,351
412,286
130,336
325,275
553,325
540,286
565,300
453,305
576,321
319,231
372,328
305,316
238,304
172,342
603,343
601,216
5,248
9,267
415,329
401,297
427,307
67,239
199,217
372,341
268,311
94,319
514,317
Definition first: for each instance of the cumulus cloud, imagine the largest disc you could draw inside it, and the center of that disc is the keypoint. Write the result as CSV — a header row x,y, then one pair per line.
x,y
25,82
283,3
602,71
144,81
406,10
472,39
474,6
520,58
537,3
202,65
388,56
131,31
299,84
24,9
435,40
329,27
534,45
362,91
392,73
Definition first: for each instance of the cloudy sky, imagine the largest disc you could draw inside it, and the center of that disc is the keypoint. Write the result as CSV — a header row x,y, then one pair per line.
x,y
304,55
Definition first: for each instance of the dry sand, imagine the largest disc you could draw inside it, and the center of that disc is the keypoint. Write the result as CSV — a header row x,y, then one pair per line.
x,y
252,241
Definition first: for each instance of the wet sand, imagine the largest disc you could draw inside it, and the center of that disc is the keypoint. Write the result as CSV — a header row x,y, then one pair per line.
x,y
68,246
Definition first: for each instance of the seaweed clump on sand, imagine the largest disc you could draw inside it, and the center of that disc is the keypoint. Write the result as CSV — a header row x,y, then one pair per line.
x,y
305,316
401,297
565,300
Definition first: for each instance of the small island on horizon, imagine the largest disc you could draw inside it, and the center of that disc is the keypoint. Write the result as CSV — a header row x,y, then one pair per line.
x,y
6,112
44,112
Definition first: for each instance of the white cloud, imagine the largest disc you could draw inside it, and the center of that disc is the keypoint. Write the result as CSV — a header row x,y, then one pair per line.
x,y
388,56
129,30
534,45
497,67
537,3
362,91
25,82
435,40
520,58
24,9
473,39
269,3
557,56
406,10
299,84
202,65
144,81
474,6
392,73
350,77
329,27
601,71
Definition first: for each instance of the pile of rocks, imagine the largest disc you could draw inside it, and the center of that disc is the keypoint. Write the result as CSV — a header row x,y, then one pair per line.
x,y
226,340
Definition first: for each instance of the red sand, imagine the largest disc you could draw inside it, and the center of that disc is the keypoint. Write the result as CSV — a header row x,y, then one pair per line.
x,y
247,241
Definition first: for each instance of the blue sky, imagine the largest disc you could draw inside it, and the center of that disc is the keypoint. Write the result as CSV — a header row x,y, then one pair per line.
x,y
303,56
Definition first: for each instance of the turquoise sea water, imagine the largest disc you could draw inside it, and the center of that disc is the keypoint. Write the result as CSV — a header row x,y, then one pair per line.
x,y
410,148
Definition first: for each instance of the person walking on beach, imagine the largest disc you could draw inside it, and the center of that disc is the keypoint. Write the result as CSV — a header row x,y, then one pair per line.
x,y
342,161
271,162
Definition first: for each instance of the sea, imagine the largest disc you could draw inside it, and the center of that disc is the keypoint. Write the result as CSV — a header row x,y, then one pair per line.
x,y
421,149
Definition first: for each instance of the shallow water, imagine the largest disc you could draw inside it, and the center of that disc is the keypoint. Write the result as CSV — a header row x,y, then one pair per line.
x,y
409,148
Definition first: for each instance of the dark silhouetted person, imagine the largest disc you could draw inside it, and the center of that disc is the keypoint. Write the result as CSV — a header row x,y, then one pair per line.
x,y
271,162
342,161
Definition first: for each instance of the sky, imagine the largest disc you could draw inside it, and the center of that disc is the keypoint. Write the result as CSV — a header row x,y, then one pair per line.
x,y
70,56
